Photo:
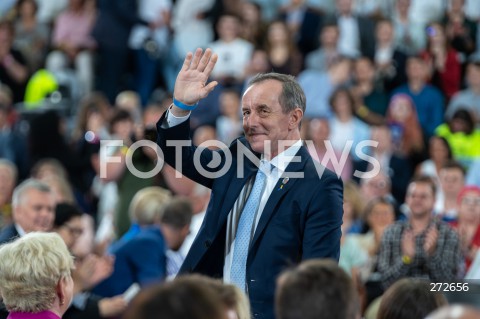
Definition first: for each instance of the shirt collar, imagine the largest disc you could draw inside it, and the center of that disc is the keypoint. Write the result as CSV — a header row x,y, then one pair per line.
x,y
21,232
282,160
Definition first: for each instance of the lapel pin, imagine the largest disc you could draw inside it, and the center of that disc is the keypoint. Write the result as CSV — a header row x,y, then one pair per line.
x,y
284,181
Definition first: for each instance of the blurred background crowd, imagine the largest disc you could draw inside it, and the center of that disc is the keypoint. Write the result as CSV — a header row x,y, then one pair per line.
x,y
403,73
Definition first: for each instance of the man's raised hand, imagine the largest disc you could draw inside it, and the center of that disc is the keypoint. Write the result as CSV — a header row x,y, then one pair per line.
x,y
190,86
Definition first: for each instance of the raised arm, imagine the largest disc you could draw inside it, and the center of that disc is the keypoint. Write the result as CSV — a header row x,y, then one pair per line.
x,y
190,86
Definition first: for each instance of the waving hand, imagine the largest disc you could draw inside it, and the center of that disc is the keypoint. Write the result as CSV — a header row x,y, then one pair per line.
x,y
190,86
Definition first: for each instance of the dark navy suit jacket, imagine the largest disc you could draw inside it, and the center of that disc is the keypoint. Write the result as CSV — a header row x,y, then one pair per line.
x,y
301,220
8,233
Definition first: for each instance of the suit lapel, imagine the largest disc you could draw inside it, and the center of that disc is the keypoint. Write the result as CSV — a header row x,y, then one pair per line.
x,y
283,185
232,191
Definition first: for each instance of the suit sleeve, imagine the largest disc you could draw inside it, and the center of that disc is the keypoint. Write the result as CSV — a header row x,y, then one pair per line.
x,y
175,138
149,262
322,232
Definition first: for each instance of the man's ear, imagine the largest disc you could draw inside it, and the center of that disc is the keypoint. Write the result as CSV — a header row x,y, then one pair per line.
x,y
295,118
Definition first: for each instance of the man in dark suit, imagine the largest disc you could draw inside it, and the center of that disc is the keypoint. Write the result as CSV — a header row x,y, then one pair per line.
x,y
33,206
259,220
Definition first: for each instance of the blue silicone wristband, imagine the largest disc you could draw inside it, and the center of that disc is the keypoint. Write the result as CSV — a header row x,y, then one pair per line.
x,y
183,106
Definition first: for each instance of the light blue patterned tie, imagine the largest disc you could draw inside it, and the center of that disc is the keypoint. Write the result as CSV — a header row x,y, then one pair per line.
x,y
244,229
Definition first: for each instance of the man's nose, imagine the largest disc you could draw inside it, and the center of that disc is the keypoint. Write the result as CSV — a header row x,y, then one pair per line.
x,y
46,211
251,120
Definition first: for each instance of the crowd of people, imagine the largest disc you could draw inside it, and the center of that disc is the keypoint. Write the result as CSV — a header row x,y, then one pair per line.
x,y
392,107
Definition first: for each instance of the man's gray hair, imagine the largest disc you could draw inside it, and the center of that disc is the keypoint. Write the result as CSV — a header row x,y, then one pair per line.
x,y
24,187
292,93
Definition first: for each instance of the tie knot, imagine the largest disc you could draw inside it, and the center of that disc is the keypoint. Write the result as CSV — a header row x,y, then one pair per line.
x,y
265,167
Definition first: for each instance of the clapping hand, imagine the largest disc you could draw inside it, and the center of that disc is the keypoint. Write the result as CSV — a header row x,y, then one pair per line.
x,y
408,243
190,86
430,243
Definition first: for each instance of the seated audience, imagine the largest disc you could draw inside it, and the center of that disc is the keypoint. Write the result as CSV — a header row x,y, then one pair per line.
x,y
281,49
316,289
462,135
31,35
468,223
389,60
429,100
140,253
378,215
322,150
461,31
378,186
32,210
73,43
175,226
409,35
184,298
8,180
329,80
393,164
421,246
409,298
439,153
452,180
473,178
322,58
469,97
14,146
407,137
442,60
344,125
35,276
13,67
235,301
233,52
353,205
370,97
88,270
229,123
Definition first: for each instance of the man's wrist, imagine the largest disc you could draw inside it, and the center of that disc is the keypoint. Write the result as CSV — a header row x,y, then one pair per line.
x,y
178,112
184,106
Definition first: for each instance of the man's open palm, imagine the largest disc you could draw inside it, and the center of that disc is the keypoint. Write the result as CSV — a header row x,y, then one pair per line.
x,y
190,84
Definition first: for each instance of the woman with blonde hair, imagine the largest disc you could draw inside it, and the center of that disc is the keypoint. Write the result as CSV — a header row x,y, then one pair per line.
x,y
35,276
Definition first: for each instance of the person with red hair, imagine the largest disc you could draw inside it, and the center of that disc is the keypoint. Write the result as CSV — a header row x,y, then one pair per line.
x,y
402,119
